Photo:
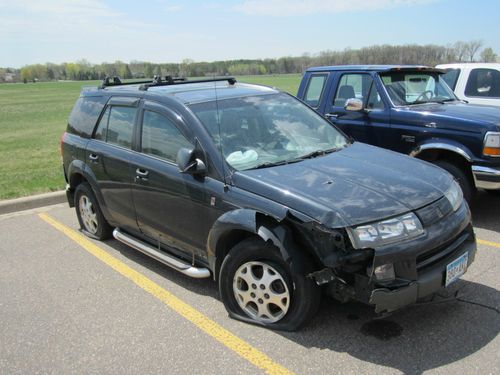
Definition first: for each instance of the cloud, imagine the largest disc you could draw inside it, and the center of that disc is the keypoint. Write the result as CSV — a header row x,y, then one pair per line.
x,y
282,8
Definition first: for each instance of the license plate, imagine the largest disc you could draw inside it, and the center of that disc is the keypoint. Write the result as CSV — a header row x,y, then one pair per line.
x,y
456,269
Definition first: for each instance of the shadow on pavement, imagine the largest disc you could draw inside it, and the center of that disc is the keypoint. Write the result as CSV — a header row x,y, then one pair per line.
x,y
486,211
416,339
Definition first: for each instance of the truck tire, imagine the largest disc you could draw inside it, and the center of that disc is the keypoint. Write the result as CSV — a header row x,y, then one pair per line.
x,y
257,286
463,180
90,217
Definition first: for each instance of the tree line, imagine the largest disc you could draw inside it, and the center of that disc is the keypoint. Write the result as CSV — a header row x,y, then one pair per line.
x,y
379,54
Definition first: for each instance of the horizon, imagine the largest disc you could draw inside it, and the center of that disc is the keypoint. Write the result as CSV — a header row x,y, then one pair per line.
x,y
169,32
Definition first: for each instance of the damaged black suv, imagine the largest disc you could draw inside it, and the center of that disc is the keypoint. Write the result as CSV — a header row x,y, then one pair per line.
x,y
249,186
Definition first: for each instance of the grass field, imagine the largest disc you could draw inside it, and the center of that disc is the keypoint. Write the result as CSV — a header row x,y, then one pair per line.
x,y
32,118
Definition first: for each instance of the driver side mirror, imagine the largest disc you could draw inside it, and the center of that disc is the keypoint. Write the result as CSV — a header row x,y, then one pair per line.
x,y
353,105
189,163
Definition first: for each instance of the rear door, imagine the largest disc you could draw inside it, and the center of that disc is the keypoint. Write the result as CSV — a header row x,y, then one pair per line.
x,y
108,154
170,205
367,126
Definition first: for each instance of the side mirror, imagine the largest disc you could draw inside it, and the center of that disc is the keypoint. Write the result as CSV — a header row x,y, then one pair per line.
x,y
353,105
189,163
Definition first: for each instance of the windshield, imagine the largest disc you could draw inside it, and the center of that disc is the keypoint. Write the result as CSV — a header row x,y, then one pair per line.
x,y
265,130
407,88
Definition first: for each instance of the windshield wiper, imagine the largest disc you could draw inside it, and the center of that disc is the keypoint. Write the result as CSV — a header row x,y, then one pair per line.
x,y
268,164
442,101
317,153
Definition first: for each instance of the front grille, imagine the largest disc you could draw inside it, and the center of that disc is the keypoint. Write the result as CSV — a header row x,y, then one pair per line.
x,y
431,257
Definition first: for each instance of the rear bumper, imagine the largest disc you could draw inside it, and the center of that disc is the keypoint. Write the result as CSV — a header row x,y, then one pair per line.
x,y
429,282
486,177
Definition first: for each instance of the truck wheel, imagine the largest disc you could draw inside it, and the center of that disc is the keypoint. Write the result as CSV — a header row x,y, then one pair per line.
x,y
257,286
89,213
461,177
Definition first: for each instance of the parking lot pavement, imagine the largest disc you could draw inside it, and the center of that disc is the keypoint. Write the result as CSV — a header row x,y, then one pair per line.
x,y
64,309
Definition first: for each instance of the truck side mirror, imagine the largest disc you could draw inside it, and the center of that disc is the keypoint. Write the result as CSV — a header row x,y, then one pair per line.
x,y
353,105
189,163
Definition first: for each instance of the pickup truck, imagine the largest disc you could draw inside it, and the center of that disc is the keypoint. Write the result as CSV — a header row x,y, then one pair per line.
x,y
477,83
410,109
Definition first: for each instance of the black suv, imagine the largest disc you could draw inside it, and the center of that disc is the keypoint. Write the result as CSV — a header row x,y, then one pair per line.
x,y
249,186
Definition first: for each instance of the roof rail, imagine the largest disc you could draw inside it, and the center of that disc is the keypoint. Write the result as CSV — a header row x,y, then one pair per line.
x,y
180,81
116,81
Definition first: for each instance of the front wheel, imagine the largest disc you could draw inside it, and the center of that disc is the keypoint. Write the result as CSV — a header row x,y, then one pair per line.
x,y
89,213
257,286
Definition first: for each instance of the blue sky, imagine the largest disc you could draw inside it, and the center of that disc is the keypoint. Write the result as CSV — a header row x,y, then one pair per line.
x,y
170,31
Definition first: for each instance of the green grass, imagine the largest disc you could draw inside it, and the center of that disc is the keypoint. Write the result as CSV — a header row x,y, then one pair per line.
x,y
33,117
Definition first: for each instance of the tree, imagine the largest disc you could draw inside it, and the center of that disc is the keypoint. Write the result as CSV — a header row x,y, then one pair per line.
x,y
472,47
488,55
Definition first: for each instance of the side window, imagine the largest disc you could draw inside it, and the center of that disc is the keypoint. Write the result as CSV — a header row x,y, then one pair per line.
x,y
352,86
315,89
102,128
483,83
160,137
451,77
374,100
120,126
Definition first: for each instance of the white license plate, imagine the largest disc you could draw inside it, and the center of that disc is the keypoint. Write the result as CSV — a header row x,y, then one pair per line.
x,y
456,269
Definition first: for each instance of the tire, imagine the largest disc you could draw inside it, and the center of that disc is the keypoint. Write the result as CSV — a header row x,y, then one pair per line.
x,y
463,180
493,192
90,217
252,261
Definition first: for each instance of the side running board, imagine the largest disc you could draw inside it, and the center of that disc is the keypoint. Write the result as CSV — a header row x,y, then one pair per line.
x,y
175,263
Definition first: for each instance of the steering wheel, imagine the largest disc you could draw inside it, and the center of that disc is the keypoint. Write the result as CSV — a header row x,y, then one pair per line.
x,y
427,95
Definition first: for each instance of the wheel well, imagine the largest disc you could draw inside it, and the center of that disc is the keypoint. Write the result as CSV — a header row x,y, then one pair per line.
x,y
76,179
227,242
433,155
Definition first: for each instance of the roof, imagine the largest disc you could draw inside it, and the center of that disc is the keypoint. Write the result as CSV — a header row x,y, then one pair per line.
x,y
195,92
470,65
376,68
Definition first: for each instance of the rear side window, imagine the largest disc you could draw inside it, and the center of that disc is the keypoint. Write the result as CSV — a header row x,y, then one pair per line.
x,y
483,83
84,115
160,137
315,89
451,77
116,126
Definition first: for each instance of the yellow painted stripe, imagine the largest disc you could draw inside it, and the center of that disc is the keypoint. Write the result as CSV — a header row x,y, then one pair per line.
x,y
207,325
488,243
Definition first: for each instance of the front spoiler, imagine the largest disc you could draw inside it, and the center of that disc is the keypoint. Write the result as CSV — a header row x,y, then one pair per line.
x,y
386,300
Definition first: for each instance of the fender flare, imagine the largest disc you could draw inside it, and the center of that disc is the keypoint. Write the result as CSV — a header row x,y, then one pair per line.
x,y
255,223
446,145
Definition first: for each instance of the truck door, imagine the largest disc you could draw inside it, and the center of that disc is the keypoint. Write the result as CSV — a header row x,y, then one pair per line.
x,y
363,126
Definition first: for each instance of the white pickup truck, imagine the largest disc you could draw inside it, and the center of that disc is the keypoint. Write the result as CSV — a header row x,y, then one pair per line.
x,y
476,83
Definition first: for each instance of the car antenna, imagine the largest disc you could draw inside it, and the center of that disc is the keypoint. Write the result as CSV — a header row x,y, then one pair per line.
x,y
220,136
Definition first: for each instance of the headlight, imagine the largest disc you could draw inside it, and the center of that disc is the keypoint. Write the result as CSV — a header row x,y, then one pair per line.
x,y
385,232
491,144
454,195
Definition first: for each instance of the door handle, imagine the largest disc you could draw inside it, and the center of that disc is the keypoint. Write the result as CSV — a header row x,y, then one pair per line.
x,y
93,157
142,174
331,116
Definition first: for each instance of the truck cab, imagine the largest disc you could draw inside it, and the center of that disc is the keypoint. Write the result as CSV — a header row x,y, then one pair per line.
x,y
411,110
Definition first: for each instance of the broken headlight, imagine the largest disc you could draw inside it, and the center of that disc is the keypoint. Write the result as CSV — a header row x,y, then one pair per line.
x,y
386,231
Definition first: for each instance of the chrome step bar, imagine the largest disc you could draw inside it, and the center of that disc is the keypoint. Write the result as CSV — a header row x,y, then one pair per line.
x,y
169,260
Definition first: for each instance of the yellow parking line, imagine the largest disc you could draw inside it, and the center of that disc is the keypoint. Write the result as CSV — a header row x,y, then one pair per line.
x,y
207,325
488,243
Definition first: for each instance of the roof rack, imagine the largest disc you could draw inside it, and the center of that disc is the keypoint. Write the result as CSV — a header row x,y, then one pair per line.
x,y
159,81
180,81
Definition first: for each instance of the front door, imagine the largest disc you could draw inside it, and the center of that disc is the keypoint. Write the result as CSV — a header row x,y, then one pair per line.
x,y
169,204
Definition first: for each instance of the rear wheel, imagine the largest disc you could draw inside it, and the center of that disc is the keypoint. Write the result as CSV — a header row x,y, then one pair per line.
x,y
257,286
89,213
463,180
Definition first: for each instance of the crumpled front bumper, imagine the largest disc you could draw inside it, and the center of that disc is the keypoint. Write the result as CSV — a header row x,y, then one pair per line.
x,y
429,282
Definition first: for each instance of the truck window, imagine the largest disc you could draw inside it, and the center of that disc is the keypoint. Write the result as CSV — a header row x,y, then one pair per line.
x,y
374,100
352,86
451,77
315,89
116,126
483,83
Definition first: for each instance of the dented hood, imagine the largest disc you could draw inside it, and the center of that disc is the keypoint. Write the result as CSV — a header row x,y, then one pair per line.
x,y
355,185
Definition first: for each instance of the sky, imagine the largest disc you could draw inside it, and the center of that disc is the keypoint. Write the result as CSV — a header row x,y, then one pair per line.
x,y
40,31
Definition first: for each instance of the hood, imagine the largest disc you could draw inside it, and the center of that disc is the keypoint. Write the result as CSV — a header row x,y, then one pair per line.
x,y
355,185
453,116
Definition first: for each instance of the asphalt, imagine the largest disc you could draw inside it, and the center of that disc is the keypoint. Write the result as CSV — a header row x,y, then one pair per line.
x,y
62,310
